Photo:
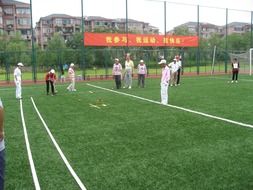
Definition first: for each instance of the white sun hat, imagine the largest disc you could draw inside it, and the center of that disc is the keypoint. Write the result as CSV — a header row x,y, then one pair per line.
x,y
163,61
20,64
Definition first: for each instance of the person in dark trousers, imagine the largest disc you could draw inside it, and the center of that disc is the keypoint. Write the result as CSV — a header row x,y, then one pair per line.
x,y
117,72
235,70
50,79
179,63
2,147
142,71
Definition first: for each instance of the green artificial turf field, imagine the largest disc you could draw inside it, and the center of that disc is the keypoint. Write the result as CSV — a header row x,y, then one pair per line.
x,y
118,141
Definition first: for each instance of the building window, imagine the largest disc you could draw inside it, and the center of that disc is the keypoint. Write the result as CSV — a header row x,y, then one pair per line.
x,y
9,22
25,32
23,11
1,20
238,29
1,10
66,21
8,11
58,21
24,21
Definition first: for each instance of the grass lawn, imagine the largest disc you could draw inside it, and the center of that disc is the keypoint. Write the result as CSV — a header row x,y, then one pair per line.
x,y
132,143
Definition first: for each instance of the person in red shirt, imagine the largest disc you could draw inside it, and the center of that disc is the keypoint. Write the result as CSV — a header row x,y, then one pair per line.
x,y
50,79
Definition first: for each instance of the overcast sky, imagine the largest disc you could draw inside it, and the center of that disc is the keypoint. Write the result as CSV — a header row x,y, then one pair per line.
x,y
150,11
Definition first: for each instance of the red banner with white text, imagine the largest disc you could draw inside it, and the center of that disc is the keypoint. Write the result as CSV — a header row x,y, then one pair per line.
x,y
113,39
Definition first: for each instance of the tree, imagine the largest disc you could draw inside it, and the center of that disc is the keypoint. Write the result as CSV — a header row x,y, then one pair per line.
x,y
57,42
55,51
182,31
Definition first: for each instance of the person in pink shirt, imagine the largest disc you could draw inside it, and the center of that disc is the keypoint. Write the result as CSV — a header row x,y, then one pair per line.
x,y
116,72
142,71
71,74
164,81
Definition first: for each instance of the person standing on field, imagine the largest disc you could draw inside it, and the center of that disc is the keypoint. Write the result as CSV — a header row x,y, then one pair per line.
x,y
174,67
116,72
235,70
17,80
72,78
2,147
50,79
164,81
129,69
142,71
179,64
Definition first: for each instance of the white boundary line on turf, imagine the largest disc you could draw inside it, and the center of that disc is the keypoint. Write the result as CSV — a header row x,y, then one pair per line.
x,y
177,107
33,170
73,173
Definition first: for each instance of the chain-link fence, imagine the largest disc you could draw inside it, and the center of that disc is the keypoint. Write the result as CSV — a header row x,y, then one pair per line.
x,y
98,62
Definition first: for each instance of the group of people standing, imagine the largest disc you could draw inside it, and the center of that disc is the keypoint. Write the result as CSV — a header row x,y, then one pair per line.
x,y
50,79
127,75
170,74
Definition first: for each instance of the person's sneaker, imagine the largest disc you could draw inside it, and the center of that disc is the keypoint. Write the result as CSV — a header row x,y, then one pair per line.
x,y
232,81
74,90
236,81
129,87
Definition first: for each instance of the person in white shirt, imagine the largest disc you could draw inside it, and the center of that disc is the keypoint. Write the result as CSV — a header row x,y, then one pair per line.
x,y
129,69
164,81
142,71
17,79
173,67
72,78
116,72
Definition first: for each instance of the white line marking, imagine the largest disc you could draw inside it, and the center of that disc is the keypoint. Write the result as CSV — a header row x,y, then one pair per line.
x,y
94,106
79,182
177,107
34,174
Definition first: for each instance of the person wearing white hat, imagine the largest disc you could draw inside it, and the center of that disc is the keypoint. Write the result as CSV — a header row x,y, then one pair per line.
x,y
164,81
72,78
50,79
142,71
17,79
116,72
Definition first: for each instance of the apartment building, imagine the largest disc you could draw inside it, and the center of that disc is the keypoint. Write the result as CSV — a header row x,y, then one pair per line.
x,y
15,17
94,22
238,28
67,25
63,24
207,30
